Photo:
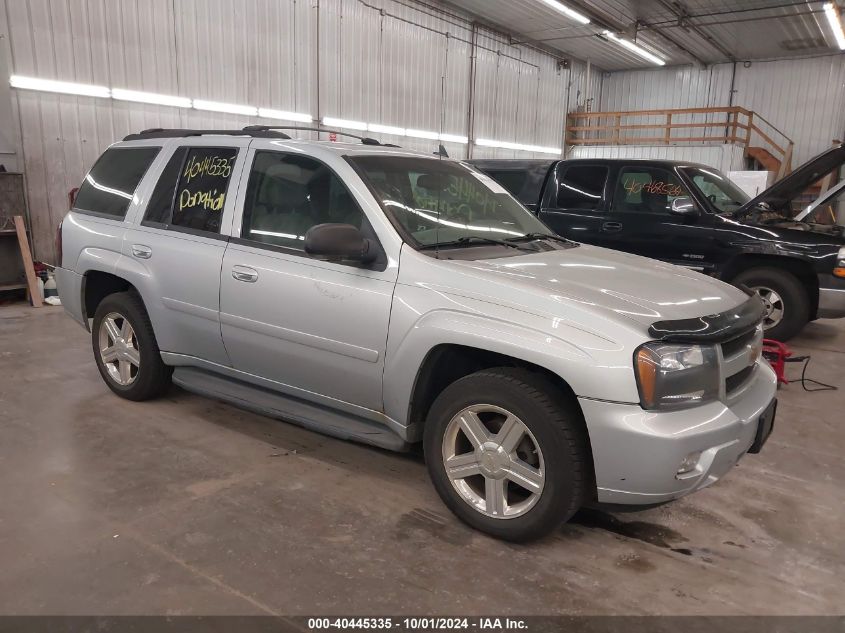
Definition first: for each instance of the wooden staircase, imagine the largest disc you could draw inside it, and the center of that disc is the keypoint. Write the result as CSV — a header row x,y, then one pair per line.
x,y
762,142
764,158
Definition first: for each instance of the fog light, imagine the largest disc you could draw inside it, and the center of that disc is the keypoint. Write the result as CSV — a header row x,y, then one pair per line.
x,y
689,463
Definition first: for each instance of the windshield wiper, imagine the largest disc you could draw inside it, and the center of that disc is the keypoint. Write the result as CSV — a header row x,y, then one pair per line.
x,y
541,236
468,239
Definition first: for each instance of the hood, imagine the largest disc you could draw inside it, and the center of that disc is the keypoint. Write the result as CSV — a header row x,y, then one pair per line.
x,y
636,288
792,185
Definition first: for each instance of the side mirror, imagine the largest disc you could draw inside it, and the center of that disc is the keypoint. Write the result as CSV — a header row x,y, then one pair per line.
x,y
339,242
684,206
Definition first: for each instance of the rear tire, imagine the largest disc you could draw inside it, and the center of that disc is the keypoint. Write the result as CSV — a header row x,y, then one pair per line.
x,y
787,303
513,482
126,350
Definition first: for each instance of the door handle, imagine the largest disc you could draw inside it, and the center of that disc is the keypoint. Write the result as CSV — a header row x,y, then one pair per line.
x,y
244,273
142,252
611,227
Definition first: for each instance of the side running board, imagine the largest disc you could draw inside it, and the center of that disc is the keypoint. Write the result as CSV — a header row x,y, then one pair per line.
x,y
275,405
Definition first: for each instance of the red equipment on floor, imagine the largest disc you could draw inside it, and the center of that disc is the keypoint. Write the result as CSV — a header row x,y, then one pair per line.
x,y
777,354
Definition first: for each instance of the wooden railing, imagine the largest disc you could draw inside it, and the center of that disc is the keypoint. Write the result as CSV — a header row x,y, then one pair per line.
x,y
682,126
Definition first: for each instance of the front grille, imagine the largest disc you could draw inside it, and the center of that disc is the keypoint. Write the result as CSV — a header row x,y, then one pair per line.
x,y
732,383
739,356
735,345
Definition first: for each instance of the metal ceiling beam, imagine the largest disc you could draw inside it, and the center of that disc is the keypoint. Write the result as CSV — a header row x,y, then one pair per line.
x,y
659,32
610,24
602,21
680,11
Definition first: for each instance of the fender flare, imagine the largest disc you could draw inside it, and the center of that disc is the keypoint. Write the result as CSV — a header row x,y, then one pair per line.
x,y
132,271
585,361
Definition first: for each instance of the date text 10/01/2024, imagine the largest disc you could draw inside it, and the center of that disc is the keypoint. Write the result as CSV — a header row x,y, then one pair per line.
x,y
418,623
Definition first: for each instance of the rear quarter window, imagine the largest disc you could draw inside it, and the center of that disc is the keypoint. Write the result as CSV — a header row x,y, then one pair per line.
x,y
110,185
582,187
201,190
512,180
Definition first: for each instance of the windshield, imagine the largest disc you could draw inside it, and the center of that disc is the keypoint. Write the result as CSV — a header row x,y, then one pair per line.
x,y
723,195
444,202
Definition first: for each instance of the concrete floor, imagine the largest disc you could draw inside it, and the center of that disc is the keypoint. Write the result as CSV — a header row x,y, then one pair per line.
x,y
188,506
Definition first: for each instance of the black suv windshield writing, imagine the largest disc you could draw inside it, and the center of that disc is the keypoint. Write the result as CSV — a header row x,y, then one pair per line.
x,y
445,203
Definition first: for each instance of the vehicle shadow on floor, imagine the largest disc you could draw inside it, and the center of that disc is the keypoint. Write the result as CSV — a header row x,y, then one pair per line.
x,y
285,439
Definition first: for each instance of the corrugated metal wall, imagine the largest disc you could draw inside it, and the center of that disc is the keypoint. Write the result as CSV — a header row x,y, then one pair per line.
x,y
804,98
379,61
679,87
722,157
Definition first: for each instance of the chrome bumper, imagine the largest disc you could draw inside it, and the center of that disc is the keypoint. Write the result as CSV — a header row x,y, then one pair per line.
x,y
831,303
637,453
831,297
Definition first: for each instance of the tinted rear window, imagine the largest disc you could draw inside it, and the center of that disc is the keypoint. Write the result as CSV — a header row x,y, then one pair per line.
x,y
109,186
201,192
160,205
582,187
513,181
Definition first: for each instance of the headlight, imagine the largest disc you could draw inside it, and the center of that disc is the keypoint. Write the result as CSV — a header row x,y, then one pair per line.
x,y
671,376
839,267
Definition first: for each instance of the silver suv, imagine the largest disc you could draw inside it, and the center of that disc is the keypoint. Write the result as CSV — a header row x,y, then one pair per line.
x,y
392,298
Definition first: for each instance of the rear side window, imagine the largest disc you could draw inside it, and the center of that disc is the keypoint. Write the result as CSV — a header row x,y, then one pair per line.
x,y
160,205
110,185
582,187
201,192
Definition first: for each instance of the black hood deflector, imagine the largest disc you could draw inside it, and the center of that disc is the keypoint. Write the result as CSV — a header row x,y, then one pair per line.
x,y
713,328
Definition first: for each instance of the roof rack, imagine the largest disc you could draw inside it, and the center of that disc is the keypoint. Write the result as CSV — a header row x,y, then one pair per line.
x,y
366,140
158,132
256,131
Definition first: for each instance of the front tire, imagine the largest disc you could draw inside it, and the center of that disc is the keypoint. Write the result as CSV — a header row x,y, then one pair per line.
x,y
126,350
508,453
785,298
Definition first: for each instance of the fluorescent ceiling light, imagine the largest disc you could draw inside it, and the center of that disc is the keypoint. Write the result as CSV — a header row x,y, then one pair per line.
x,y
48,85
482,142
229,108
454,138
149,97
386,129
557,6
349,125
638,50
835,21
269,113
422,134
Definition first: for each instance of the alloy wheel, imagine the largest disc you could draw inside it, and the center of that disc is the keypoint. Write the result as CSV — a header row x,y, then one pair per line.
x,y
493,461
773,303
119,351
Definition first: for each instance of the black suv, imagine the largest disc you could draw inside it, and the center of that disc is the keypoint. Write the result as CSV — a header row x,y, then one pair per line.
x,y
694,216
